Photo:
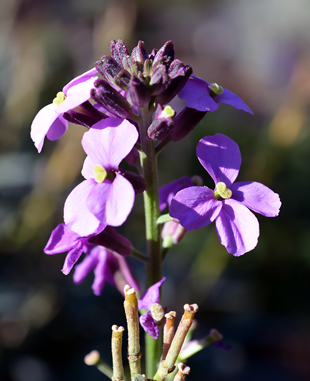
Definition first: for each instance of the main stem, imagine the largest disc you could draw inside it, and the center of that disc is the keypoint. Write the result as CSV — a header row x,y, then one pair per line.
x,y
151,209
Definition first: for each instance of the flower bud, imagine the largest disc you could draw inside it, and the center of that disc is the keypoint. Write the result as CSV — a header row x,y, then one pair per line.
x,y
108,67
165,54
139,54
118,50
111,100
178,74
137,93
137,181
159,80
185,122
172,233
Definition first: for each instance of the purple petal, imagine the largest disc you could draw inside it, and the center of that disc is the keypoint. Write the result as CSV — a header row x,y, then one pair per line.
x,y
111,201
104,270
76,95
107,145
46,119
221,157
80,79
126,272
150,296
77,215
233,100
169,190
149,325
257,197
196,94
72,257
237,228
62,239
84,268
195,207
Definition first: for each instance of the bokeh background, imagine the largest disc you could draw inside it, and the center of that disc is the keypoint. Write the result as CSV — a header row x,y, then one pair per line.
x,y
260,301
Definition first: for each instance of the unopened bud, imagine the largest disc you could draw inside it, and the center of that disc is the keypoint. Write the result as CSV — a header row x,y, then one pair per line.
x,y
185,122
157,312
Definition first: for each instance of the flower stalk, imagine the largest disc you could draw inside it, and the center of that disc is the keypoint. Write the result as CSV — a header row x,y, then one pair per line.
x,y
168,333
118,369
132,317
168,365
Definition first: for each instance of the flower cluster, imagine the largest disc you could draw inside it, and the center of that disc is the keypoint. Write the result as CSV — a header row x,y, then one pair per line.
x,y
124,104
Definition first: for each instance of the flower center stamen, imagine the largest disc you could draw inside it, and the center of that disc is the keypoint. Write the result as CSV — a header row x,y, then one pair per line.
x,y
60,97
167,112
100,173
222,191
218,90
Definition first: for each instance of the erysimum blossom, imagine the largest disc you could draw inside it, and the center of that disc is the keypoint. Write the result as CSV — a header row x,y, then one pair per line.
x,y
149,301
49,121
227,205
203,96
108,267
106,197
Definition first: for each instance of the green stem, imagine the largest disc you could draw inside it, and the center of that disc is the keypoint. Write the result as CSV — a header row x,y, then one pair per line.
x,y
153,238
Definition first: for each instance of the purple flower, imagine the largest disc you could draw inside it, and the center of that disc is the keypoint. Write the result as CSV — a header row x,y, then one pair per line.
x,y
63,239
167,191
105,197
228,204
107,267
49,121
149,301
203,96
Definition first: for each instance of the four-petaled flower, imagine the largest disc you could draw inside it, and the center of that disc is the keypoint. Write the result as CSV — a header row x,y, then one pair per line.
x,y
203,96
227,205
105,197
150,301
49,121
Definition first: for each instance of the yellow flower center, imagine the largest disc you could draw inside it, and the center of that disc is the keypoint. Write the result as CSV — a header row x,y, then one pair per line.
x,y
216,88
100,173
222,191
167,112
60,97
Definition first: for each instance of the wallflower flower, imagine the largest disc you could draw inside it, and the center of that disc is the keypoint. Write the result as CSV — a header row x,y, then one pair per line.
x,y
49,121
227,205
149,301
203,96
106,197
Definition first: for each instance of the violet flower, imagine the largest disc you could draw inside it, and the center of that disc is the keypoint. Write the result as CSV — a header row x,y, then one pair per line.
x,y
105,197
63,239
108,267
49,121
150,301
228,204
203,96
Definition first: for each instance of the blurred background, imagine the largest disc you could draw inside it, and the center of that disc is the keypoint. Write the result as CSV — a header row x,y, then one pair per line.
x,y
260,302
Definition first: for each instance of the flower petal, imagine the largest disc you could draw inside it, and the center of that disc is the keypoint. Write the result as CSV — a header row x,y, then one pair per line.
x,y
77,215
196,94
237,228
150,296
169,190
109,141
72,257
116,199
221,157
257,197
76,95
195,207
45,120
233,100
149,325
104,270
80,79
84,268
62,239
